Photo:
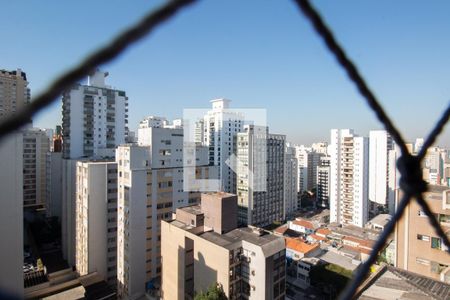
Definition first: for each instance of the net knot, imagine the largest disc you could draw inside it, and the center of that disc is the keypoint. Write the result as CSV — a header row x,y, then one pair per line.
x,y
411,180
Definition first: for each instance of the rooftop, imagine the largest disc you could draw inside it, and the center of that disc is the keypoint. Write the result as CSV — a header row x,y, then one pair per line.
x,y
268,242
304,223
381,219
361,242
323,231
340,260
393,283
193,209
300,246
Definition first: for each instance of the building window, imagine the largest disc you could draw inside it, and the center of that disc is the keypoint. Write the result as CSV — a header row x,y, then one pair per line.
x,y
435,243
421,213
422,261
424,238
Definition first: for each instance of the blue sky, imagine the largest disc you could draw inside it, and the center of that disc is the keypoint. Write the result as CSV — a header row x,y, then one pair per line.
x,y
259,54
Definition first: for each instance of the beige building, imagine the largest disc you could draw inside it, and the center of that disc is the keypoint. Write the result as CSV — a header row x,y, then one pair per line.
x,y
202,246
418,248
150,188
14,93
96,219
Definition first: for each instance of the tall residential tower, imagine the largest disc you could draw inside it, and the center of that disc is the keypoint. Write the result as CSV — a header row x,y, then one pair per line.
x,y
348,178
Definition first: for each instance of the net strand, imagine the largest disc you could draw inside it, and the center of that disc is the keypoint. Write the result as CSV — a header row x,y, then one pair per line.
x,y
103,55
352,72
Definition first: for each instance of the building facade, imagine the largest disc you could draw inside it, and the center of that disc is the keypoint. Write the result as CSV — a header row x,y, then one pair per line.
x,y
202,246
323,182
290,182
11,215
94,123
260,181
348,178
220,126
36,144
151,187
95,118
53,199
380,143
14,92
96,219
418,248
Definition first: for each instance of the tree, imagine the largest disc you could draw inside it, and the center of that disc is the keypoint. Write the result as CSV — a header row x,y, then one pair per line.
x,y
214,292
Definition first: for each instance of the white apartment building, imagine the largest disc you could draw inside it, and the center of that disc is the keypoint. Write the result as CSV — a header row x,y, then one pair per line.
x,y
220,128
96,219
35,147
11,215
260,178
95,118
150,185
380,143
14,92
290,182
323,182
308,159
95,122
348,178
301,153
418,145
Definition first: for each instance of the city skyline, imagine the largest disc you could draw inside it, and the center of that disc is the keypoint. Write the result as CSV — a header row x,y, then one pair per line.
x,y
280,66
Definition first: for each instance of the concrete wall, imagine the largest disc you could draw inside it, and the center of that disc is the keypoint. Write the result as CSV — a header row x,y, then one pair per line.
x,y
11,215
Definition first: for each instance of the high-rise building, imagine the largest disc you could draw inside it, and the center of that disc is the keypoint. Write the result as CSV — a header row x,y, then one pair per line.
x,y
308,161
35,147
96,219
434,165
95,122
290,182
14,92
380,143
11,215
349,159
14,95
95,118
260,178
418,248
323,182
418,145
151,187
301,153
202,246
220,128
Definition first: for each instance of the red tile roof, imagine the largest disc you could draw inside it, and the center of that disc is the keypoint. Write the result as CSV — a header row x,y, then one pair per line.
x,y
357,249
317,237
281,230
299,246
362,243
303,223
323,231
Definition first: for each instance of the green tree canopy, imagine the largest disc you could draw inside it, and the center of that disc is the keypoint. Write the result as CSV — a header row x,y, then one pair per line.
x,y
214,292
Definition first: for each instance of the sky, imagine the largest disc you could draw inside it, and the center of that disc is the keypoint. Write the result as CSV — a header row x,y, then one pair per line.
x,y
259,54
